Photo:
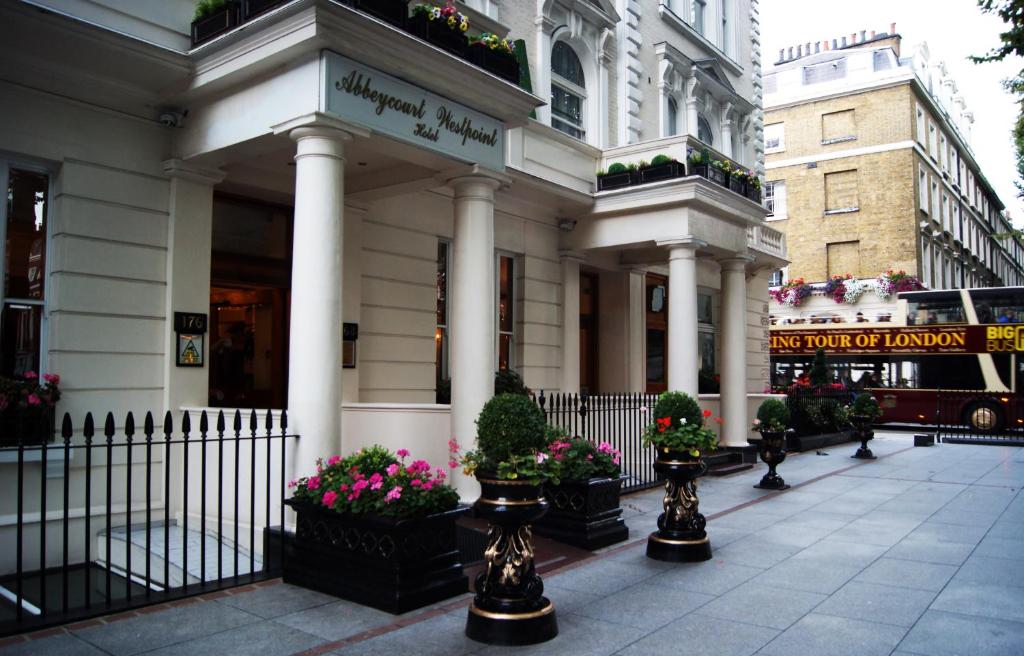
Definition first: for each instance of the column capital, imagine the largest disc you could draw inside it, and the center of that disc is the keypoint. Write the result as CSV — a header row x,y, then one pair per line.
x,y
318,124
682,247
572,256
177,168
736,262
472,175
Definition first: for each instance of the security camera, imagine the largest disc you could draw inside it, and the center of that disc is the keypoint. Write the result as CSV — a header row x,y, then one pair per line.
x,y
172,119
566,225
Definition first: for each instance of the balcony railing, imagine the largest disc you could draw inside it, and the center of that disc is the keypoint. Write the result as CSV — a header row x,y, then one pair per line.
x,y
676,147
767,240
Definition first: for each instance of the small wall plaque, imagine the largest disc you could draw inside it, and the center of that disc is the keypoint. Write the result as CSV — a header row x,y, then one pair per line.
x,y
349,333
190,329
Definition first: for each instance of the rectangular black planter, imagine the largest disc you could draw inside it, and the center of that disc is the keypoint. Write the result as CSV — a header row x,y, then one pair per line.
x,y
502,64
438,33
395,12
253,8
717,176
215,24
737,186
615,180
22,426
753,193
585,515
660,172
393,565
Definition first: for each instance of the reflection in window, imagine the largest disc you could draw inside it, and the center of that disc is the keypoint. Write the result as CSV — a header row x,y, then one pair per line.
x,y
704,131
441,338
568,91
671,117
506,312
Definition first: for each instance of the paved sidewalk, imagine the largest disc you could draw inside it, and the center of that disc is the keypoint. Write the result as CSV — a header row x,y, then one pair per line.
x,y
920,552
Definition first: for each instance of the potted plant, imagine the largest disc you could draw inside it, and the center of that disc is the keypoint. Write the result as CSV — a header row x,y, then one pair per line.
x,y
737,180
375,530
494,54
679,439
392,11
771,422
27,408
862,414
662,167
442,26
702,164
253,8
510,464
617,176
585,508
213,18
753,187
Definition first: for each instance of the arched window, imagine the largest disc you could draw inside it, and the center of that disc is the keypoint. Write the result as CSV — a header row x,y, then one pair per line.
x,y
568,91
671,117
704,131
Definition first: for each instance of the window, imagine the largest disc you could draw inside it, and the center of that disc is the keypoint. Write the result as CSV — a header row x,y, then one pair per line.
x,y
568,91
825,71
926,262
843,257
943,153
881,60
441,334
704,131
922,188
932,147
838,126
706,333
936,208
24,219
776,278
671,117
506,312
723,10
700,8
775,199
774,137
841,192
944,212
921,126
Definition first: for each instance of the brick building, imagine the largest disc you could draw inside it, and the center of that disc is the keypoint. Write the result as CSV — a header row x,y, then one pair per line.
x,y
869,167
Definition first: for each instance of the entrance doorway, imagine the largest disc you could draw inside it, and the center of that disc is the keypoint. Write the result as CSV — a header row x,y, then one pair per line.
x,y
588,333
657,333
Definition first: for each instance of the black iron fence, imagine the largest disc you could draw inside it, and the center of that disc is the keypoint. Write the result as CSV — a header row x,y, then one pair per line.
x,y
104,522
618,419
979,417
818,411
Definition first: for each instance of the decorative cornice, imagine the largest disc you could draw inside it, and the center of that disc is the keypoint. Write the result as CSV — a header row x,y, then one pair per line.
x,y
176,168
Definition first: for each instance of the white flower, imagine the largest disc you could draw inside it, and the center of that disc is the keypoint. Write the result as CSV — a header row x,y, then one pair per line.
x,y
682,421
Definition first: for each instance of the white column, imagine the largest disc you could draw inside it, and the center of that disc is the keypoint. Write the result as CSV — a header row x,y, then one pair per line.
x,y
683,351
692,111
189,244
637,335
570,322
542,67
314,366
727,145
472,311
734,351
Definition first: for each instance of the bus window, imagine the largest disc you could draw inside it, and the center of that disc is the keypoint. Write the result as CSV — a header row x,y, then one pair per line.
x,y
945,311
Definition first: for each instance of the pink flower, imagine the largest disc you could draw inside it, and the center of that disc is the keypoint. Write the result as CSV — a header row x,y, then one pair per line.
x,y
53,379
313,483
415,482
376,481
615,459
394,494
360,485
453,446
403,453
428,485
292,483
329,498
452,464
590,456
440,474
393,469
343,487
31,375
541,457
333,460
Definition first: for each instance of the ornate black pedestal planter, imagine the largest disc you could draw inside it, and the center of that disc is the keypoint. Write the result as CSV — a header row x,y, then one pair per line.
x,y
862,425
585,515
395,565
509,607
772,449
680,536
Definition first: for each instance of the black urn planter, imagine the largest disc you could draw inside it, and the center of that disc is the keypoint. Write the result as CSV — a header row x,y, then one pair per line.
x,y
509,607
396,565
659,172
615,180
438,33
737,186
215,24
395,12
680,536
500,63
772,449
718,176
864,433
26,426
585,514
253,8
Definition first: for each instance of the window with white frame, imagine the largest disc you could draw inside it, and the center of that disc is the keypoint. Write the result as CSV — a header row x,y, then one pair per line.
x,y
932,142
671,117
506,312
704,131
936,208
700,10
774,137
926,261
776,278
23,219
920,126
922,188
943,153
723,12
568,91
775,199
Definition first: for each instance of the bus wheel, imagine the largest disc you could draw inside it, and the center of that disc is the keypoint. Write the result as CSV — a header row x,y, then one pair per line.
x,y
985,417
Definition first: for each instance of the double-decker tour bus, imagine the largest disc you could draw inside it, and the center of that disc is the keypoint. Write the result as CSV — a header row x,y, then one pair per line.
x,y
965,340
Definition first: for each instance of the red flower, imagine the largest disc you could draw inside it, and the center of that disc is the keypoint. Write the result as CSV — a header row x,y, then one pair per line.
x,y
719,420
664,423
707,413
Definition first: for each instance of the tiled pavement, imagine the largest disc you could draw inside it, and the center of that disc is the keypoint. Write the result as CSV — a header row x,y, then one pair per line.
x,y
919,552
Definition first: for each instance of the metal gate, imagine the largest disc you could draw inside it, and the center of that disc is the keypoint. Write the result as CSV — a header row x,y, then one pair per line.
x,y
973,417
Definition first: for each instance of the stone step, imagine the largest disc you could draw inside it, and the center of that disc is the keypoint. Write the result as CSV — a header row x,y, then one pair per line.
x,y
732,468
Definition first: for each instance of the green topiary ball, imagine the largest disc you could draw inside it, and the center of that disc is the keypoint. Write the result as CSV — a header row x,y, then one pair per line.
x,y
866,405
617,167
773,413
660,159
510,424
678,405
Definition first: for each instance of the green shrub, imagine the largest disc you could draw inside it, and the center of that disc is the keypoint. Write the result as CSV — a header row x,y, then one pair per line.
x,y
679,425
374,459
616,167
601,173
866,405
643,164
819,374
661,159
678,405
510,425
632,168
772,416
507,381
205,8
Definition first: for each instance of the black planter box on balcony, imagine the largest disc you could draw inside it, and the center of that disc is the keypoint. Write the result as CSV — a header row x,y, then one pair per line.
x,y
737,185
584,514
659,172
26,427
616,180
718,176
753,193
438,33
253,8
395,12
503,64
215,24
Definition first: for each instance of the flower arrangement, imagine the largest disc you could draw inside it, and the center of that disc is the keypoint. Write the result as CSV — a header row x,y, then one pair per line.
x,y
892,282
511,440
455,19
679,425
835,287
792,293
752,179
377,481
575,460
29,391
772,417
492,42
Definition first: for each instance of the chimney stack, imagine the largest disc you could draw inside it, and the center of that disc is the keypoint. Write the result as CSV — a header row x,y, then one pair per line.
x,y
892,29
872,34
790,52
799,52
782,54
853,38
817,47
825,44
863,35
843,42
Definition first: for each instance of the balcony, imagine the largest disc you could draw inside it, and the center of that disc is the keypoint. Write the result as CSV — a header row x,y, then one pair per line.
x,y
769,241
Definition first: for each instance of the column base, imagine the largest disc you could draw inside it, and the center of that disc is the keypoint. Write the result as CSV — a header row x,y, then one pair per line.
x,y
495,628
678,551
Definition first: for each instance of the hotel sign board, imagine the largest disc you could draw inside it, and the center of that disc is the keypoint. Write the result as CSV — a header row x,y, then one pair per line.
x,y
365,96
995,338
